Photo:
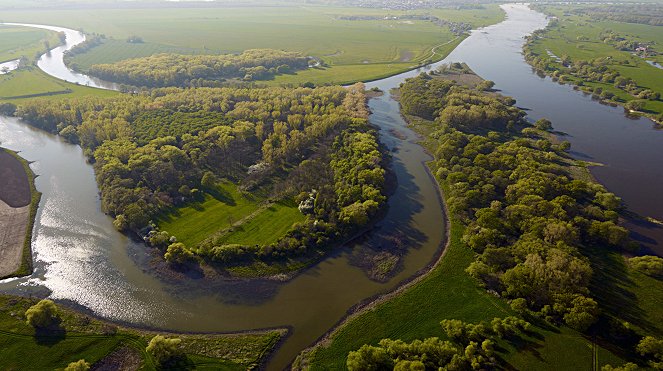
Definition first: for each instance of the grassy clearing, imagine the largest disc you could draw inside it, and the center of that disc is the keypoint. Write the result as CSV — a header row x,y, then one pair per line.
x,y
16,42
195,222
31,82
267,226
82,337
242,218
578,37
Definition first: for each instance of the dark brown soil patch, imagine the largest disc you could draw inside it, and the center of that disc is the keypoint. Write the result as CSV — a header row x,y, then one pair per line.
x,y
121,359
14,182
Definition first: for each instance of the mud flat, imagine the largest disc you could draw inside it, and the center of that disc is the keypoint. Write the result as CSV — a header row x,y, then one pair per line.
x,y
17,211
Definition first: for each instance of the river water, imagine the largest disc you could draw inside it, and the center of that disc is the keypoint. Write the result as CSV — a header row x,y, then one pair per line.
x,y
79,257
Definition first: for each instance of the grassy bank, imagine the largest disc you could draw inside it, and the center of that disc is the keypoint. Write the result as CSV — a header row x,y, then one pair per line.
x,y
26,257
578,37
83,337
16,42
31,82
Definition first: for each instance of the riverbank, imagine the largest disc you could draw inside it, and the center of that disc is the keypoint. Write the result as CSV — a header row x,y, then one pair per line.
x,y
605,64
101,343
19,200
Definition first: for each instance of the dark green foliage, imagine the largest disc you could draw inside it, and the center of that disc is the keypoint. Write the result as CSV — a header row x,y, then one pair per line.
x,y
526,217
200,70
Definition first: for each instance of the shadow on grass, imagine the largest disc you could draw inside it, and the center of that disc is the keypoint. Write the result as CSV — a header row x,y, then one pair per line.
x,y
612,286
51,335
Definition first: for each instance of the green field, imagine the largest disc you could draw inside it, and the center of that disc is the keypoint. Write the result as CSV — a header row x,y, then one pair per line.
x,y
267,226
241,218
114,50
354,49
31,82
569,39
81,337
16,42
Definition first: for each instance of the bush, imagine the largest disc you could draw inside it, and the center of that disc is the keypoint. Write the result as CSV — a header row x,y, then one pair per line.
x,y
42,315
649,265
166,352
79,365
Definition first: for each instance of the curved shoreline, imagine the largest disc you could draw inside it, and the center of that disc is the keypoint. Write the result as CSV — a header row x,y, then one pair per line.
x,y
23,260
370,303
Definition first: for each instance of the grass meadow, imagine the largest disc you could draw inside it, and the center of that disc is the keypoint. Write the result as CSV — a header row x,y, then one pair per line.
x,y
16,42
238,217
81,337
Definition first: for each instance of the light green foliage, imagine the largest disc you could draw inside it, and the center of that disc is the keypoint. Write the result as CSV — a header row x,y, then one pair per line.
x,y
649,265
472,347
177,253
80,365
42,315
200,70
165,351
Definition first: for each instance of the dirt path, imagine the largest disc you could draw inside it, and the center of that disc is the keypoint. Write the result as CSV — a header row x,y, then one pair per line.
x,y
13,225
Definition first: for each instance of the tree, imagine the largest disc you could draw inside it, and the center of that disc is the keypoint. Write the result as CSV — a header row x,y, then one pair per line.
x,y
635,105
583,313
79,365
649,265
42,315
208,180
165,351
543,124
369,358
177,253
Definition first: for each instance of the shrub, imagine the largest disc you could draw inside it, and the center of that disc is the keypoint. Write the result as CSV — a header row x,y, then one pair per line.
x,y
42,315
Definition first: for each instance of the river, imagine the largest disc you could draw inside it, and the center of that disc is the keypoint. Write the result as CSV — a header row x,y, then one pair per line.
x,y
80,258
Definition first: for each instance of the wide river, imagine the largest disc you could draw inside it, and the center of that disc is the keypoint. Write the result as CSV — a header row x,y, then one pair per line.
x,y
80,258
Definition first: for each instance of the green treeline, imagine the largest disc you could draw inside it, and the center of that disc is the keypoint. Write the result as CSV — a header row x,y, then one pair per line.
x,y
159,150
471,347
163,70
650,14
526,218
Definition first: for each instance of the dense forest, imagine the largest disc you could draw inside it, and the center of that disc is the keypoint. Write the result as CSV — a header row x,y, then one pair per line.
x,y
162,70
163,149
527,218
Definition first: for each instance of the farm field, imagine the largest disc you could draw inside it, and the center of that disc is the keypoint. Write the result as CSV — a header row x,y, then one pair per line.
x,y
16,42
365,49
578,37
